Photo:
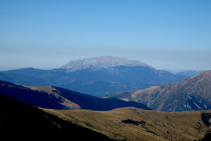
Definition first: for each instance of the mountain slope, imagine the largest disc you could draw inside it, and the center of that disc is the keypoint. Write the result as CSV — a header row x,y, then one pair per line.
x,y
134,124
193,93
95,103
36,98
23,121
59,98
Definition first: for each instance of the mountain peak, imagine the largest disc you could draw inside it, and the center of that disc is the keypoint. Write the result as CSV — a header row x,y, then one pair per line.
x,y
208,72
202,76
102,62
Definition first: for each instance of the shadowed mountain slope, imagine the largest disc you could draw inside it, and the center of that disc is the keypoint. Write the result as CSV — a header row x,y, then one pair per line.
x,y
36,98
59,98
23,121
193,93
95,103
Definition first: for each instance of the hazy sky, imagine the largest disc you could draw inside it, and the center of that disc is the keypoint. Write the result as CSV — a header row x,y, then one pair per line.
x,y
166,34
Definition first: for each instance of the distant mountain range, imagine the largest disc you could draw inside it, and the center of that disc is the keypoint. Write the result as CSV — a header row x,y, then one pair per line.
x,y
95,76
188,73
59,98
193,93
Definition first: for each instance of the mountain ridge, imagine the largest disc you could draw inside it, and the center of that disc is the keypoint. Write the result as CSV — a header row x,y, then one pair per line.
x,y
193,93
60,98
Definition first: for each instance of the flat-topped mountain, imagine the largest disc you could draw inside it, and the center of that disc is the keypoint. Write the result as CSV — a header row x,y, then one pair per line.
x,y
193,93
95,76
101,62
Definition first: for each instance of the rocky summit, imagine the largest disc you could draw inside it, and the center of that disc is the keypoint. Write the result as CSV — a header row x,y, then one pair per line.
x,y
101,62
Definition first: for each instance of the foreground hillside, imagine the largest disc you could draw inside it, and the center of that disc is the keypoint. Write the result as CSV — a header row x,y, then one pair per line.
x,y
59,98
134,124
21,121
193,93
128,123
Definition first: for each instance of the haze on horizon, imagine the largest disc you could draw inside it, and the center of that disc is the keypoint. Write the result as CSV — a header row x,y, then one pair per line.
x,y
164,34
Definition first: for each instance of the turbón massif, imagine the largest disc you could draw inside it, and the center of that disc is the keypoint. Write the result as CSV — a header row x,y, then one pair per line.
x,y
95,76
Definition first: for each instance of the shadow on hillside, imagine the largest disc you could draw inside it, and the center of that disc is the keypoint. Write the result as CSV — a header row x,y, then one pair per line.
x,y
23,121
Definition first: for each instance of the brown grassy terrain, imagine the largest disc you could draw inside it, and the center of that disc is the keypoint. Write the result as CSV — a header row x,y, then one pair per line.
x,y
152,125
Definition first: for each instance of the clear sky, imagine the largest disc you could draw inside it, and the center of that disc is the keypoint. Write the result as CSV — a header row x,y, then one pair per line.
x,y
166,34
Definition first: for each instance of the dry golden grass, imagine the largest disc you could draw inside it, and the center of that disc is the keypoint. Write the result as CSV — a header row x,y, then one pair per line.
x,y
159,125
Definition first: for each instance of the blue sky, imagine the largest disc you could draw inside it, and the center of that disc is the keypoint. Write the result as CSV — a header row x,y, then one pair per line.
x,y
166,34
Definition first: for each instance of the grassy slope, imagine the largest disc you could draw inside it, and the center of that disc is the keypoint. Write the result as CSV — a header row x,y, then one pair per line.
x,y
159,125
